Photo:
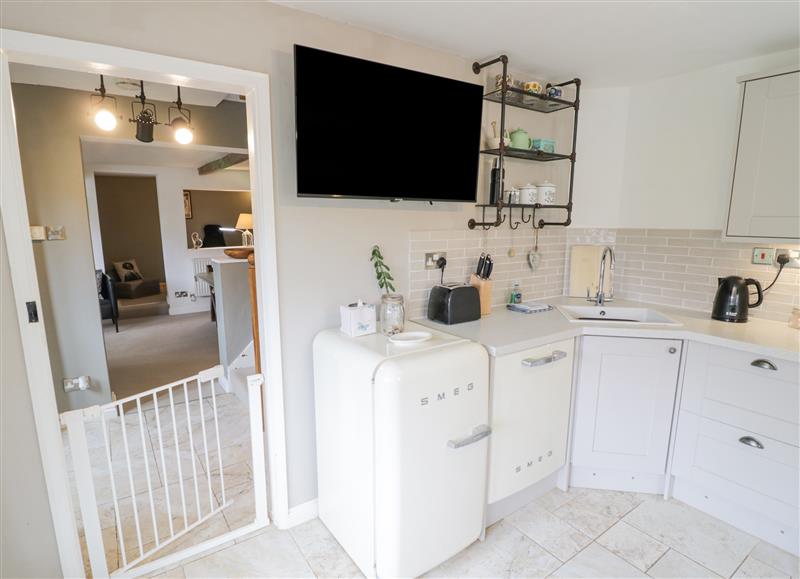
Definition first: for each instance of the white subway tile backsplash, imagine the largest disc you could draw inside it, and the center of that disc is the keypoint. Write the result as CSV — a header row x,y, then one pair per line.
x,y
674,267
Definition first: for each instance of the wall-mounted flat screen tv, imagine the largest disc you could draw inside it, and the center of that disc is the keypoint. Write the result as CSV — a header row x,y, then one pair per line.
x,y
372,131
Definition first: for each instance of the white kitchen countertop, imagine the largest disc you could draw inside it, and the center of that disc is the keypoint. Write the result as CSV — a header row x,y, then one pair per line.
x,y
504,332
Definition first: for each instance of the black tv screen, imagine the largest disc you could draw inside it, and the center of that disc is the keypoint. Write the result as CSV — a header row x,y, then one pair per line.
x,y
369,130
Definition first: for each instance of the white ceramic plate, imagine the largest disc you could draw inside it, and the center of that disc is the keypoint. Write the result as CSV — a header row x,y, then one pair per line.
x,y
410,337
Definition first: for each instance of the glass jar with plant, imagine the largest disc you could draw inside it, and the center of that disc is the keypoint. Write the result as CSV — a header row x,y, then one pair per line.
x,y
392,310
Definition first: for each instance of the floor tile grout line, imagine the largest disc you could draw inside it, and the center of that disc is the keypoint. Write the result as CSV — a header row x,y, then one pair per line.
x,y
749,553
664,554
678,551
614,523
300,550
534,540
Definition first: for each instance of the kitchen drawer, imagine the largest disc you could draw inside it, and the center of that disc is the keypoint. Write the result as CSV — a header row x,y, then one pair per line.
x,y
530,405
764,476
741,389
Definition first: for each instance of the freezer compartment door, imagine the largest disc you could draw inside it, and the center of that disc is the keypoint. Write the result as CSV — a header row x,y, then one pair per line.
x,y
431,445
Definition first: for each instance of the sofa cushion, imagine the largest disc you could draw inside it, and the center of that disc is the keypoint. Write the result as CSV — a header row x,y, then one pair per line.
x,y
128,270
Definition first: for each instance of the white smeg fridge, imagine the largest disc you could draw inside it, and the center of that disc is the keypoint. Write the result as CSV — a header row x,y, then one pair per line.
x,y
401,447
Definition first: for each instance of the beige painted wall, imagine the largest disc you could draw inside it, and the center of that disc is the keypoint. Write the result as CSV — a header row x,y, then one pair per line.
x,y
217,207
27,540
129,222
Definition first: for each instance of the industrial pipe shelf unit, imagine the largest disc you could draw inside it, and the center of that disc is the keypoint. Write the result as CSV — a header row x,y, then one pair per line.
x,y
515,97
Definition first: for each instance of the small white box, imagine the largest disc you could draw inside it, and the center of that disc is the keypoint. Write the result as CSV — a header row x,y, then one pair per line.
x,y
358,319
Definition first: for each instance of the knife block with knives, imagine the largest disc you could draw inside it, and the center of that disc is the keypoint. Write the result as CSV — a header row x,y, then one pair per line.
x,y
480,279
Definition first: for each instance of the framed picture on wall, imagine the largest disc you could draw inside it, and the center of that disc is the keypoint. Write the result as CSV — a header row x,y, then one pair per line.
x,y
187,204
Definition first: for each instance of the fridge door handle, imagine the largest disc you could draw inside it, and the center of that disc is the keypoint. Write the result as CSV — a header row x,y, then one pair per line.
x,y
478,433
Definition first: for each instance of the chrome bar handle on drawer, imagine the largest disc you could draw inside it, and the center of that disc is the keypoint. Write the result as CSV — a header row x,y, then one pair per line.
x,y
554,357
750,441
763,364
478,433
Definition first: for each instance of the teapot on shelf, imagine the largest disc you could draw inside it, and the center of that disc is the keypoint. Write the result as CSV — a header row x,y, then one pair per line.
x,y
520,139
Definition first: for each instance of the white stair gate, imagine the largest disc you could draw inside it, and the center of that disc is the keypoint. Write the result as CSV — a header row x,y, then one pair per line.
x,y
178,446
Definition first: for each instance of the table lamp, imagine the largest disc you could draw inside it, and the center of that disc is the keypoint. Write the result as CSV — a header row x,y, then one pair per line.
x,y
244,224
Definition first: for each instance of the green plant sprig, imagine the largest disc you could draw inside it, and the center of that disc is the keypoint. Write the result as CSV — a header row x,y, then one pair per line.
x,y
382,270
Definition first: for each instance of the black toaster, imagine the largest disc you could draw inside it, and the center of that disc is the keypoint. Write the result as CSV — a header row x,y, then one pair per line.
x,y
454,303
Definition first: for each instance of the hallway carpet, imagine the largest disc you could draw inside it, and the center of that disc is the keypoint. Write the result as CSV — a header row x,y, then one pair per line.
x,y
155,350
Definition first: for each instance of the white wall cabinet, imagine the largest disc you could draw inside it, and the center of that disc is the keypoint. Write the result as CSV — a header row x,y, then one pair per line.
x,y
530,406
624,405
764,201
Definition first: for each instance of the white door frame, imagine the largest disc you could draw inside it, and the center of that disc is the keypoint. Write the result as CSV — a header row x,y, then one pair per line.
x,y
79,56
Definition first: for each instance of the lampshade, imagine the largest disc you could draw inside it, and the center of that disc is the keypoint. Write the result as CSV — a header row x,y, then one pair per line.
x,y
245,221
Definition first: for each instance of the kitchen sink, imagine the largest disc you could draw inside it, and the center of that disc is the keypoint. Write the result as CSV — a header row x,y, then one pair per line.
x,y
616,315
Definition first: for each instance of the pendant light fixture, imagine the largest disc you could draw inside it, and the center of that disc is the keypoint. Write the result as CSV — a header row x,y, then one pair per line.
x,y
105,117
181,122
145,119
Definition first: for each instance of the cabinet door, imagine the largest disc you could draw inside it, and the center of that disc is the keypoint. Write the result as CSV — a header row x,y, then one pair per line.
x,y
764,199
624,403
530,417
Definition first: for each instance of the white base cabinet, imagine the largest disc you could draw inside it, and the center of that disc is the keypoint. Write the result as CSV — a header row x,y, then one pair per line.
x,y
736,453
625,398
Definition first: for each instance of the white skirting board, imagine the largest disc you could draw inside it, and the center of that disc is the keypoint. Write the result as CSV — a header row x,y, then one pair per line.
x,y
616,480
749,521
299,514
186,306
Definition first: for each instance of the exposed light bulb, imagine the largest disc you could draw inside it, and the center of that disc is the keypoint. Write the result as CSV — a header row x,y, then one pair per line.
x,y
184,135
105,119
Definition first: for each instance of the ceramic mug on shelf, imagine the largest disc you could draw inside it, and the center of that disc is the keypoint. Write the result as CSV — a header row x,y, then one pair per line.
x,y
511,197
554,92
533,86
546,192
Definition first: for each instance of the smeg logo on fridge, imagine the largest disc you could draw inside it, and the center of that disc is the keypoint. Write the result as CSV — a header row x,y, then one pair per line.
x,y
445,395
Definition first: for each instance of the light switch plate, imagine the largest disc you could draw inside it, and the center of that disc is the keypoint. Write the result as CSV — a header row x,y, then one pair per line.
x,y
38,233
763,255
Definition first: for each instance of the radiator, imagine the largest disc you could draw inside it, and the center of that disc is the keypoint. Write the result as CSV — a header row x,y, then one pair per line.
x,y
201,288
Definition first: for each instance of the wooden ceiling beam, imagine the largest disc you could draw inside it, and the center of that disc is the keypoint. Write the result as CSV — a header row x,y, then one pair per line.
x,y
222,163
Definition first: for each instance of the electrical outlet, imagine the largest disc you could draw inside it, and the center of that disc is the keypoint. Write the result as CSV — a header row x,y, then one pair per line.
x,y
432,258
763,255
794,257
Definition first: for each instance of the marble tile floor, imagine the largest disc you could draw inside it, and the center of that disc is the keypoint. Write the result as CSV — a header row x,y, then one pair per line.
x,y
582,533
145,453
